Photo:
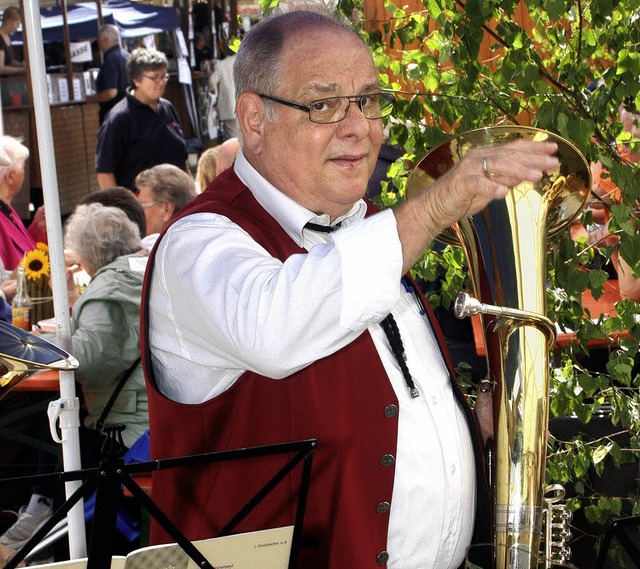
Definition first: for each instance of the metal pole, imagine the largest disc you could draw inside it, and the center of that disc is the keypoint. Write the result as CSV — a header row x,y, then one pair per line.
x,y
100,15
67,406
67,48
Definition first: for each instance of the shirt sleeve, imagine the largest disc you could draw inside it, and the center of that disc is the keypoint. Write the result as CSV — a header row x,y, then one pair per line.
x,y
109,74
214,79
220,300
109,146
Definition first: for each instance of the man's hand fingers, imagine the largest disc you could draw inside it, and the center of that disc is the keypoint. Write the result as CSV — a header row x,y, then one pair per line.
x,y
515,162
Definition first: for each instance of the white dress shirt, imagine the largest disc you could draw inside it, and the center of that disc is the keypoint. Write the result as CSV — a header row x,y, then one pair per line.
x,y
221,305
221,82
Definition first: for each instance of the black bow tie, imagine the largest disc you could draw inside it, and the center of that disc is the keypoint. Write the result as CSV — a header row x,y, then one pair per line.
x,y
321,228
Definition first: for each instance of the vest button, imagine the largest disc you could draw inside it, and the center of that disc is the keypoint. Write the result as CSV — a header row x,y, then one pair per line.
x,y
391,411
382,558
383,507
387,460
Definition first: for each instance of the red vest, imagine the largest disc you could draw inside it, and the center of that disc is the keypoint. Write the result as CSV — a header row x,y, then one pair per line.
x,y
345,401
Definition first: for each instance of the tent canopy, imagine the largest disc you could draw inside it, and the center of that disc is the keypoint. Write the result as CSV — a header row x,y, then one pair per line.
x,y
132,18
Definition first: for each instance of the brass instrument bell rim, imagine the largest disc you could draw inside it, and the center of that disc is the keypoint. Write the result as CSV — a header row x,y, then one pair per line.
x,y
19,340
64,364
490,136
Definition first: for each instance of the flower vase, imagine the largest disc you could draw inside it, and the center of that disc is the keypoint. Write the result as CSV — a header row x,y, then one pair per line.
x,y
42,299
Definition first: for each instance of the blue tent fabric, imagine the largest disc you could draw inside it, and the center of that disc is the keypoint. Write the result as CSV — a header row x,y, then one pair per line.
x,y
132,18
135,19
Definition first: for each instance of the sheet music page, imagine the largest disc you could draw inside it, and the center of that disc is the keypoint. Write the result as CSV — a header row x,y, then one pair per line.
x,y
266,549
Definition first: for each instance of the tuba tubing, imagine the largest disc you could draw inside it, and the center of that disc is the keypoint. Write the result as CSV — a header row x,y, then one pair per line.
x,y
505,246
465,305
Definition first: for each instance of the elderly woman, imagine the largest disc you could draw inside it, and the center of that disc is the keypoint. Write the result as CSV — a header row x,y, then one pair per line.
x,y
163,191
143,129
105,321
15,238
105,328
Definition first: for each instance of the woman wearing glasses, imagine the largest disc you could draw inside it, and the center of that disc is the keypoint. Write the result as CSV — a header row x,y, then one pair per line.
x,y
143,129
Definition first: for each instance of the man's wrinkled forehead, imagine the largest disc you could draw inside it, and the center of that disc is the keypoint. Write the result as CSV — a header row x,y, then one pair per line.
x,y
328,48
331,36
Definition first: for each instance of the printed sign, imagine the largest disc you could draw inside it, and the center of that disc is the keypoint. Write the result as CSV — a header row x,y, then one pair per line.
x,y
81,52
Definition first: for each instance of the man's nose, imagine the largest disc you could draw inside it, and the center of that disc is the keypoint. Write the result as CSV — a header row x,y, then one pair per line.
x,y
355,118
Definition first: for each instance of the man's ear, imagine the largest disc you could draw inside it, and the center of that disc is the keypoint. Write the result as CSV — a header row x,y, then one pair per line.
x,y
251,118
169,208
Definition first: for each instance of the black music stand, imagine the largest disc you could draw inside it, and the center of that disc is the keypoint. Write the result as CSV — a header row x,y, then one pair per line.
x,y
107,478
618,529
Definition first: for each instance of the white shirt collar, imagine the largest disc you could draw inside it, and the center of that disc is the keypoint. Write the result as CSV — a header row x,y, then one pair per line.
x,y
291,216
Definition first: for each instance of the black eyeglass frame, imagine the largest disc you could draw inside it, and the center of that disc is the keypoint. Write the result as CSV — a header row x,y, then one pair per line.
x,y
352,99
157,79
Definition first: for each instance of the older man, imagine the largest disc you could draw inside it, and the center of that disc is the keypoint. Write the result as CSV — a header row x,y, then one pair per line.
x,y
265,325
111,82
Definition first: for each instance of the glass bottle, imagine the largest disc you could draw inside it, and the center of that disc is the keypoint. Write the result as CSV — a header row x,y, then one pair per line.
x,y
21,305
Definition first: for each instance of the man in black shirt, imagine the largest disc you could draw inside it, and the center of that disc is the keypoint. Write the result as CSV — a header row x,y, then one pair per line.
x,y
111,83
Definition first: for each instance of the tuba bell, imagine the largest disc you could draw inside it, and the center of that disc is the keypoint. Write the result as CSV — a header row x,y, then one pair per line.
x,y
505,246
22,354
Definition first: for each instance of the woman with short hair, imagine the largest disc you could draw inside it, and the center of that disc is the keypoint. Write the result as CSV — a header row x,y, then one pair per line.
x,y
143,129
105,327
15,238
105,318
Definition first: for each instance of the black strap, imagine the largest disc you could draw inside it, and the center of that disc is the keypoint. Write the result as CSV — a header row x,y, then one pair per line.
x,y
388,324
321,228
114,395
392,332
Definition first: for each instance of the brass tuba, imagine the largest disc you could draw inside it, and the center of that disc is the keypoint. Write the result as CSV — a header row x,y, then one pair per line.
x,y
506,249
22,354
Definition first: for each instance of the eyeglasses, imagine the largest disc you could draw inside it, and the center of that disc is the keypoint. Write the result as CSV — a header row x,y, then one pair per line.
x,y
148,204
334,109
157,78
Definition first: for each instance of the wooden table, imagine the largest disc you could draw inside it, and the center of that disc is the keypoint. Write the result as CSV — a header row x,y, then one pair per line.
x,y
603,306
45,380
42,381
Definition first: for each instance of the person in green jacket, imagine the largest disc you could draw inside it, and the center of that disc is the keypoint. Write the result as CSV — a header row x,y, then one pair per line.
x,y
105,321
105,328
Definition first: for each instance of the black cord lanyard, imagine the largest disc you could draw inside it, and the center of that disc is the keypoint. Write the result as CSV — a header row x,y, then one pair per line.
x,y
390,328
389,324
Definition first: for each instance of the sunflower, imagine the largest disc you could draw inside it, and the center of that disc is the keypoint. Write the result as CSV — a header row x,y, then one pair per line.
x,y
42,247
36,264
